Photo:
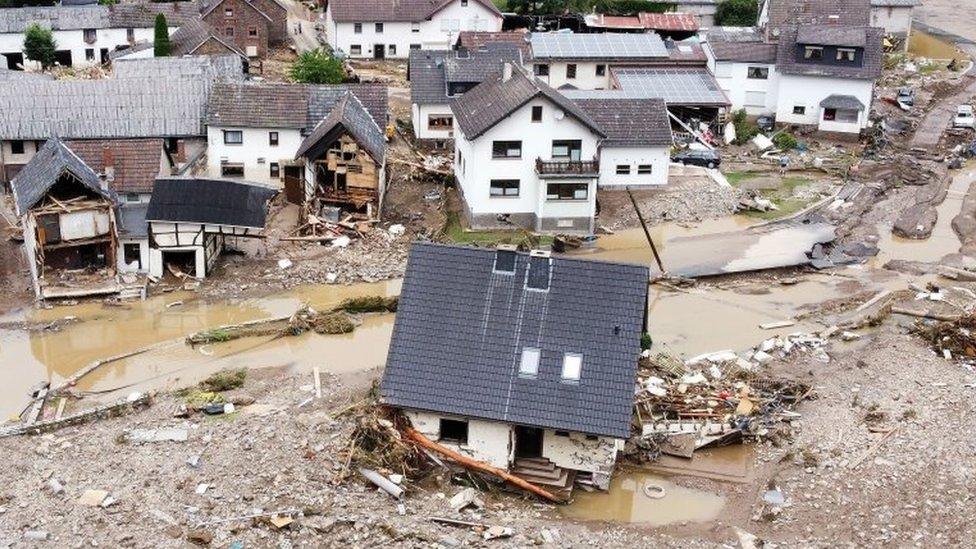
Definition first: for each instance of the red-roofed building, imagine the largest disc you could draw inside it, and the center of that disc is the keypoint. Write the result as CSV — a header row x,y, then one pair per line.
x,y
673,25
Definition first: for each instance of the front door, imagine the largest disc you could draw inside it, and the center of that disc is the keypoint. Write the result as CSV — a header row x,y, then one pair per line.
x,y
528,442
379,51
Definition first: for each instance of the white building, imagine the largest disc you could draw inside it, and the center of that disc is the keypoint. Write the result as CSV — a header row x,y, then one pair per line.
x,y
704,9
391,28
546,393
894,16
745,68
86,35
526,155
583,61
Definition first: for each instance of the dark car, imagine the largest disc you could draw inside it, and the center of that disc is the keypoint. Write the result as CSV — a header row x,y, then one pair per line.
x,y
706,158
766,123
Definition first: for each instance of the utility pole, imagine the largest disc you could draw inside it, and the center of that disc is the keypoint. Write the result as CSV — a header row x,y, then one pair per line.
x,y
647,233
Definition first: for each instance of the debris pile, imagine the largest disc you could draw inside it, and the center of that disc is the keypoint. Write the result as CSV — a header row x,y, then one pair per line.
x,y
954,340
716,401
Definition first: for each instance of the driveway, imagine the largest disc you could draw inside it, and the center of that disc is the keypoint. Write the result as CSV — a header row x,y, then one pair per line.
x,y
930,129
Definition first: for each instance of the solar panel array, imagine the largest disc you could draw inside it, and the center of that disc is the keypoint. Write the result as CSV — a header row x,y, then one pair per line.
x,y
676,86
562,45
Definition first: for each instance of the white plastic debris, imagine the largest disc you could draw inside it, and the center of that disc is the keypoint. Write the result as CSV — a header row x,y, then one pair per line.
x,y
341,242
715,372
284,263
397,229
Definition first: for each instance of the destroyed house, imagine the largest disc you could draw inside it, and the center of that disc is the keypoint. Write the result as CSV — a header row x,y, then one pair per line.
x,y
345,160
67,213
192,220
519,360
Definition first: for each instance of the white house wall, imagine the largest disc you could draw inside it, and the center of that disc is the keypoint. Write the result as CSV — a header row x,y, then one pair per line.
x,y
586,77
421,115
743,91
657,157
488,441
255,152
30,249
128,264
74,41
809,91
437,33
893,19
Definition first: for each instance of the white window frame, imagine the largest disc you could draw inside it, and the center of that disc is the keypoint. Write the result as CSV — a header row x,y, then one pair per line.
x,y
529,364
572,367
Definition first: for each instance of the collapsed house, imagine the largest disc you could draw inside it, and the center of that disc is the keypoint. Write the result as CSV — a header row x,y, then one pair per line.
x,y
345,161
519,360
191,221
67,213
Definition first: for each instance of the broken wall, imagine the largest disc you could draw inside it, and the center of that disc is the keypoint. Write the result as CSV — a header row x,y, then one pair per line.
x,y
488,441
575,451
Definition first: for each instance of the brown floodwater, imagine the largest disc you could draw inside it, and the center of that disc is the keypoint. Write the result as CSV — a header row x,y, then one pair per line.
x,y
103,331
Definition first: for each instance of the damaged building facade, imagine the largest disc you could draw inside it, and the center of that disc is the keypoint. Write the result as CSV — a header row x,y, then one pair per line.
x,y
523,361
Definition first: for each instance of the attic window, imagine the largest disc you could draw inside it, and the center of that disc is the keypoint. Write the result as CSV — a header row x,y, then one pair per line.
x,y
813,53
845,54
505,260
540,267
529,367
572,365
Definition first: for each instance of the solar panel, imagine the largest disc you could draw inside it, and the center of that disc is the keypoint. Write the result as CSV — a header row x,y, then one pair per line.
x,y
675,86
597,46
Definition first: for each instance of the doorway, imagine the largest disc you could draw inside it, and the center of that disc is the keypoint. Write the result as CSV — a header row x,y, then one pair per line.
x,y
180,262
528,442
379,51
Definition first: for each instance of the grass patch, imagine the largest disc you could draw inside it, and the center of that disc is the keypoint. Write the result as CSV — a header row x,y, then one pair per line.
x,y
781,196
735,178
455,233
225,380
369,304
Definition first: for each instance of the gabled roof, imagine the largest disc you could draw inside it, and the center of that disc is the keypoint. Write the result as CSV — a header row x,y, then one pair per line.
x,y
16,20
258,105
44,170
143,13
432,70
490,102
745,45
195,33
349,11
350,115
461,328
323,98
136,162
787,13
853,37
631,122
837,101
209,201
207,9
788,63
476,39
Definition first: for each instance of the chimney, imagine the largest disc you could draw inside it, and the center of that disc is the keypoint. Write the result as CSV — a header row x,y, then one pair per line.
x,y
506,71
108,161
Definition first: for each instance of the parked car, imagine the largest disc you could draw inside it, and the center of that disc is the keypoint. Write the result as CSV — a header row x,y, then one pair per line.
x,y
906,97
766,123
705,158
964,117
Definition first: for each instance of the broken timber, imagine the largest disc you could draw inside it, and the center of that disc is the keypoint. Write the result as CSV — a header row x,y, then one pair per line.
x,y
83,416
424,442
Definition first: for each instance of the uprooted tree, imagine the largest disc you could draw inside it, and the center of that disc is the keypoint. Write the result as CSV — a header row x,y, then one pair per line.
x,y
39,45
317,67
161,44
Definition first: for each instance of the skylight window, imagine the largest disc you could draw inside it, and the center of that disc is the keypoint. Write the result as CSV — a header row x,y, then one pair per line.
x,y
530,362
572,366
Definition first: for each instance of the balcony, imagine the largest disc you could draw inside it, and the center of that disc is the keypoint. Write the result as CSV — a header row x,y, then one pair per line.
x,y
567,168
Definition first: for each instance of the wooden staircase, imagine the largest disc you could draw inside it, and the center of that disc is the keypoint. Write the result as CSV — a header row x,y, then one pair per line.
x,y
544,473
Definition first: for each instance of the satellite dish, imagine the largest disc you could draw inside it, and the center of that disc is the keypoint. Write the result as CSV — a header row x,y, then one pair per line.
x,y
559,115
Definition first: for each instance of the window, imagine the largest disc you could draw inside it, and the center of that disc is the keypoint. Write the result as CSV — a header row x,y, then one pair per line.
x,y
355,49
228,12
233,137
755,99
132,197
379,28
840,115
415,27
506,149
89,35
130,35
464,3
542,70
567,149
567,191
131,254
357,28
415,46
601,70
757,73
813,52
723,70
845,54
644,169
571,70
530,362
273,139
229,31
16,147
572,364
440,122
232,170
537,113
799,110
89,54
455,431
623,169
252,31
391,49
504,188
275,170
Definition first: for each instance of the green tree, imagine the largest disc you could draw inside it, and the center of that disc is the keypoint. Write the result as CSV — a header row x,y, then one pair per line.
x,y
39,45
317,67
737,13
161,44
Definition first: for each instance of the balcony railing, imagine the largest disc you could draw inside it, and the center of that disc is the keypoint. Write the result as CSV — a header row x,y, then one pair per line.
x,y
567,167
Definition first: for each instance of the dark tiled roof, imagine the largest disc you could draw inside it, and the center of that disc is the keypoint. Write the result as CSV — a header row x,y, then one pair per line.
x,y
45,169
258,105
193,34
848,102
143,14
853,37
786,58
344,11
132,219
745,45
213,201
137,161
785,13
460,330
476,39
350,115
323,98
427,84
432,70
490,102
631,122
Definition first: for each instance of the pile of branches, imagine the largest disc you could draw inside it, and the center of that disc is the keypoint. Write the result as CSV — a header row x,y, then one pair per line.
x,y
958,337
